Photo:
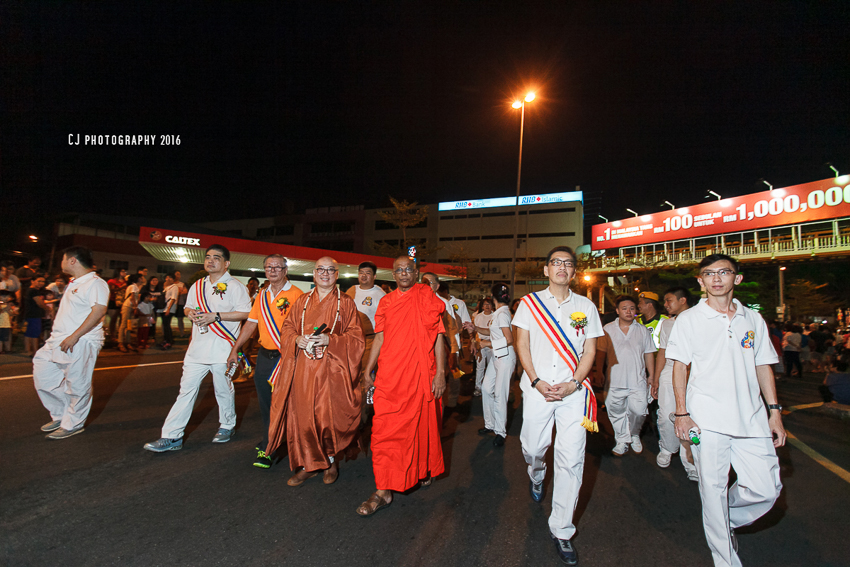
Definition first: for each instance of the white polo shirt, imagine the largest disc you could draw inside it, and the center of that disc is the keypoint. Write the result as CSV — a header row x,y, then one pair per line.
x,y
172,293
483,320
628,370
209,348
663,339
81,295
548,364
723,392
460,308
367,301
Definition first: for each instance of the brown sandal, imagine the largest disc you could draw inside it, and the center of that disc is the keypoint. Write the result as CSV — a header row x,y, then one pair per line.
x,y
298,480
372,505
331,474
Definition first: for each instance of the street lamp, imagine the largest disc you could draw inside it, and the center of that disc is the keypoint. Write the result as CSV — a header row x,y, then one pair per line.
x,y
631,211
520,105
603,218
715,194
766,183
672,206
829,165
33,238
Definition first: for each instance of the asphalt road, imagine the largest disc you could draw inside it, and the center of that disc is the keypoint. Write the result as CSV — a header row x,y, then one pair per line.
x,y
99,499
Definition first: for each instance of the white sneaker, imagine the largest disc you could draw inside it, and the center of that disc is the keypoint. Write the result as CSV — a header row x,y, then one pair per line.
x,y
620,449
663,458
637,447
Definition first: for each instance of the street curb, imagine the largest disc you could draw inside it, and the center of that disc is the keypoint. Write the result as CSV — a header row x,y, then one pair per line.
x,y
832,409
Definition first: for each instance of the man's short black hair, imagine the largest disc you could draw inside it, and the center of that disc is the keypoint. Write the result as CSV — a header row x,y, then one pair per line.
x,y
253,279
141,269
714,258
621,298
370,265
133,279
681,293
170,275
443,287
81,253
566,249
225,253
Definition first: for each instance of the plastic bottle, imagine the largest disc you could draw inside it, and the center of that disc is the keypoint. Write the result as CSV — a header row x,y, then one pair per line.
x,y
693,435
231,372
201,328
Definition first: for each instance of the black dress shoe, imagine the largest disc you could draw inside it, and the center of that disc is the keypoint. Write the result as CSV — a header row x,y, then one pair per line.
x,y
566,551
484,431
536,491
499,441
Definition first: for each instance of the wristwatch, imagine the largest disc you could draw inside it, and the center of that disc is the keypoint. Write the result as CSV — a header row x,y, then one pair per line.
x,y
534,382
218,318
774,406
578,384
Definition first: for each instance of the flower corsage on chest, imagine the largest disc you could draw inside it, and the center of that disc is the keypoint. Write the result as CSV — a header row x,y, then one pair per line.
x,y
578,321
283,304
219,289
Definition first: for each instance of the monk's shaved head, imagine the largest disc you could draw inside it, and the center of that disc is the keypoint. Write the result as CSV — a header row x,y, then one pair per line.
x,y
405,272
327,261
326,272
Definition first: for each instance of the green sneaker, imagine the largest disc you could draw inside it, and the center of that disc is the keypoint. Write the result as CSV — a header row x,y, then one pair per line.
x,y
262,461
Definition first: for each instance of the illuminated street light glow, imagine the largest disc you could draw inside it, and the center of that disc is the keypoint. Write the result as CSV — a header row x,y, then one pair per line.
x,y
783,268
517,104
587,278
34,238
529,97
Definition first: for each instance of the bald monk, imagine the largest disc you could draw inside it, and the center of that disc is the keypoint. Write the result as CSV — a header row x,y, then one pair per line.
x,y
316,401
409,350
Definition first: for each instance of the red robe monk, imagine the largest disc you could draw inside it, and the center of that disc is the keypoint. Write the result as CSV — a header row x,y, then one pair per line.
x,y
409,352
316,399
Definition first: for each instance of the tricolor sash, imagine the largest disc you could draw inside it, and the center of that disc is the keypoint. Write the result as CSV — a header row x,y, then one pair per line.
x,y
274,332
216,327
561,343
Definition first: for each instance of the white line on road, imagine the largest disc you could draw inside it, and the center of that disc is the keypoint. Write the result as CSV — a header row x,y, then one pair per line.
x,y
106,368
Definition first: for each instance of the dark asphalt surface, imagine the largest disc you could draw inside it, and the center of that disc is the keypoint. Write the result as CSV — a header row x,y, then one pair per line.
x,y
99,499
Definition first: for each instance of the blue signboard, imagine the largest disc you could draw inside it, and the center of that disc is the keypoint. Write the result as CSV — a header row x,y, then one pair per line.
x,y
477,204
571,196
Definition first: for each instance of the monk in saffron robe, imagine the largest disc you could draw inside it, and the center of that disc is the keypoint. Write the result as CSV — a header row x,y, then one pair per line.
x,y
316,398
409,350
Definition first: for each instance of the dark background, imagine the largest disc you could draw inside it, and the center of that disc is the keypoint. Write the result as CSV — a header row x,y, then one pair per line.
x,y
283,106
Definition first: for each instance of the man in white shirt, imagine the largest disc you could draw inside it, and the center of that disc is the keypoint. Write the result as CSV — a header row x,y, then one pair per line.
x,y
172,294
556,390
676,300
62,368
216,305
630,353
730,354
366,296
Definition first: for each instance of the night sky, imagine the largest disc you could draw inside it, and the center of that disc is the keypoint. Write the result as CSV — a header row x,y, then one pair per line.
x,y
282,105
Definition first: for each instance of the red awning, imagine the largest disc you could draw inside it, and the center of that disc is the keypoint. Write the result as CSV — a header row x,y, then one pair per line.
x,y
248,255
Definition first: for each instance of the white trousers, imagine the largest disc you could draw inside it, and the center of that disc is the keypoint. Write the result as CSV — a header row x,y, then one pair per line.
x,y
627,412
538,418
193,374
482,365
63,381
752,496
495,390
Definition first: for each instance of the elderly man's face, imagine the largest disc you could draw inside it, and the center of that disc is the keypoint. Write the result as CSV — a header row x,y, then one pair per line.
x,y
325,273
405,273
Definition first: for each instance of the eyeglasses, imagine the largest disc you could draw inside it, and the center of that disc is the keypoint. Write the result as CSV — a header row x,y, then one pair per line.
x,y
401,271
721,273
320,270
274,268
557,262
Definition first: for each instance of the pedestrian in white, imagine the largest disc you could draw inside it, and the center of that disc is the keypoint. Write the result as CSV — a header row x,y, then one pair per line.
x,y
216,305
676,300
484,354
730,354
62,368
631,355
556,343
496,386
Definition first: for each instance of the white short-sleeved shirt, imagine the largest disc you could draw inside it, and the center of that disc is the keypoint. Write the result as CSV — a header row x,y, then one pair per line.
x,y
484,320
501,318
723,392
548,365
460,308
80,296
663,338
132,290
629,368
172,293
367,301
209,348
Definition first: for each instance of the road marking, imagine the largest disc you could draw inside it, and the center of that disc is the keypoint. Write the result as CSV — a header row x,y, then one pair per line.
x,y
817,457
106,368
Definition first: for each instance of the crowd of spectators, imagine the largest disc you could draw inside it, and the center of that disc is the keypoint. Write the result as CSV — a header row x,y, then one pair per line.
x,y
30,296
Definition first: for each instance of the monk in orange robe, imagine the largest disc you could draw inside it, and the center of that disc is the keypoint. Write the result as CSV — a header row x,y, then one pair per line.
x,y
316,399
410,353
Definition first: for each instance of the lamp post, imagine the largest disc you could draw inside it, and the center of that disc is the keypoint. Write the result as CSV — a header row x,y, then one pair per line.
x,y
714,194
633,212
521,105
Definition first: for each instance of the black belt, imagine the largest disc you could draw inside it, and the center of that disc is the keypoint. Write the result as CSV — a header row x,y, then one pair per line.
x,y
272,354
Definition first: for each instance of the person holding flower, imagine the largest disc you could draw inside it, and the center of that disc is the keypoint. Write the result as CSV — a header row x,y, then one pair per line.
x,y
271,307
217,304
